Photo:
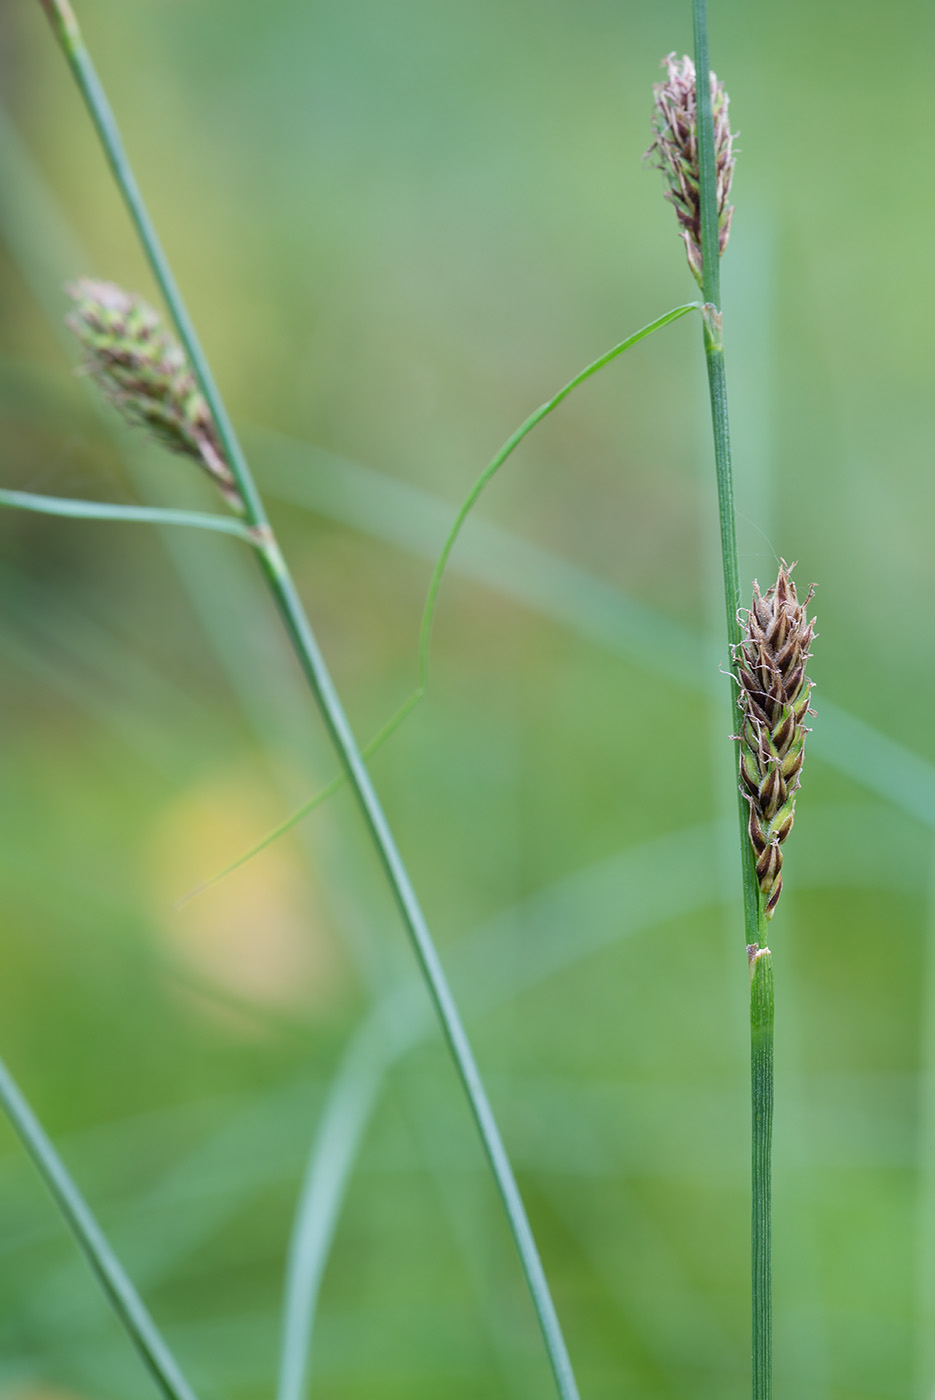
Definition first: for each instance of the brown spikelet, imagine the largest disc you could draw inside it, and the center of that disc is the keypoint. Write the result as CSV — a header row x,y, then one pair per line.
x,y
774,695
144,372
675,152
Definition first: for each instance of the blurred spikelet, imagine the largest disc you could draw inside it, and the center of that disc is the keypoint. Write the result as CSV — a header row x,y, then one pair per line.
x,y
143,371
675,153
774,696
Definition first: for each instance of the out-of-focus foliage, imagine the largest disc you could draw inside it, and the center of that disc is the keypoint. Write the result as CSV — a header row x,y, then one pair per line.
x,y
400,227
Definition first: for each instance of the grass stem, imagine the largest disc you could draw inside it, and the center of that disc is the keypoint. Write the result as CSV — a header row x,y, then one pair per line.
x,y
316,673
762,988
761,1079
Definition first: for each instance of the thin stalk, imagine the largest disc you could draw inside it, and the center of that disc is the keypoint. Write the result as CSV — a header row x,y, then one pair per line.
x,y
761,1082
316,673
123,1297
717,388
925,1171
762,987
336,722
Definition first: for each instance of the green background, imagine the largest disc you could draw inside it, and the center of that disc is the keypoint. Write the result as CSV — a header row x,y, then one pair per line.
x,y
399,228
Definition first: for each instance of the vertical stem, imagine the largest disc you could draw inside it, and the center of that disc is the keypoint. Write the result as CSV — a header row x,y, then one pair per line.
x,y
761,1022
761,1082
316,673
717,388
924,1386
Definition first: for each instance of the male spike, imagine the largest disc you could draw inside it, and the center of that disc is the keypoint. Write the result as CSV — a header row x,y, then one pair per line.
x,y
675,152
142,370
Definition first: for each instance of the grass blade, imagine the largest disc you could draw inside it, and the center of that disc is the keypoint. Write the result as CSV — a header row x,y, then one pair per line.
x,y
104,510
431,602
339,1134
121,1293
508,448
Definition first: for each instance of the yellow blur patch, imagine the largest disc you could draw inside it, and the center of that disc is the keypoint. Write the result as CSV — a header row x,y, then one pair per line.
x,y
259,934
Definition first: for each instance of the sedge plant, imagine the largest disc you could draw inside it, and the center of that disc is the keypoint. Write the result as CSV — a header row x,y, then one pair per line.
x,y
165,385
768,646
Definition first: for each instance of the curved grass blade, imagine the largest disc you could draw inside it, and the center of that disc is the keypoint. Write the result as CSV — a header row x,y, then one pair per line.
x,y
628,882
508,448
431,602
342,1124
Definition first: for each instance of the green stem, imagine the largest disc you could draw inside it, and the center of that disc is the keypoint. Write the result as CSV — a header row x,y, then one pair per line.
x,y
717,388
316,673
123,1296
319,680
762,1022
761,1080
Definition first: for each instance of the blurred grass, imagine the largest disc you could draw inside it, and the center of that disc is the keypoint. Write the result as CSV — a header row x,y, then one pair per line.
x,y
400,229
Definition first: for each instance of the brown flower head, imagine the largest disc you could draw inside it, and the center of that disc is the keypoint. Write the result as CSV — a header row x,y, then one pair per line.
x,y
143,371
675,152
774,696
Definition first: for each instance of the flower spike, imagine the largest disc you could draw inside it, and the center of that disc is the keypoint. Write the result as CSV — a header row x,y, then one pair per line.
x,y
774,696
675,153
143,371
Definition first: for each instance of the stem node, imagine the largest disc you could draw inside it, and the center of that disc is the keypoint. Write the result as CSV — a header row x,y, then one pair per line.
x,y
711,316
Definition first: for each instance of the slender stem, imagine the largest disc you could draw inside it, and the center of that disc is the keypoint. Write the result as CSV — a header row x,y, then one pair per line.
x,y
761,1081
762,991
123,1296
319,680
65,25
316,673
717,388
925,1168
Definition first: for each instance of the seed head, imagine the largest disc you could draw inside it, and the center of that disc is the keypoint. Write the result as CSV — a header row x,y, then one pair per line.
x,y
675,153
143,371
774,695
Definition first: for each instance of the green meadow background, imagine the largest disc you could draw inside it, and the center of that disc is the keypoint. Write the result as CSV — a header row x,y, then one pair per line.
x,y
400,226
